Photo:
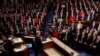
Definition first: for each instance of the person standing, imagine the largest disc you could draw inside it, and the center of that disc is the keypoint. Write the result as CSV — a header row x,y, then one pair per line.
x,y
96,46
8,46
37,44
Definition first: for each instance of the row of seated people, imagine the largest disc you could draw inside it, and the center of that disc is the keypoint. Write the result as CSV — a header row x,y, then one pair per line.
x,y
76,10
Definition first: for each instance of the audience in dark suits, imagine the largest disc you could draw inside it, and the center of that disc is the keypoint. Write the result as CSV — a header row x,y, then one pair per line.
x,y
68,23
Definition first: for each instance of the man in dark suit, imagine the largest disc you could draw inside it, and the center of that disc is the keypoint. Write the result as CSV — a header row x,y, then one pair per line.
x,y
37,45
89,39
77,37
96,46
82,40
63,34
8,46
93,25
88,42
70,36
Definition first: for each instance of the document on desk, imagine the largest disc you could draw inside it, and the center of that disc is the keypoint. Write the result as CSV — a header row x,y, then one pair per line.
x,y
30,37
65,47
17,40
21,48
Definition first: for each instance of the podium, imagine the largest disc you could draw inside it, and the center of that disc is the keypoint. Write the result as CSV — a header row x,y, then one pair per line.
x,y
64,48
20,48
49,49
54,47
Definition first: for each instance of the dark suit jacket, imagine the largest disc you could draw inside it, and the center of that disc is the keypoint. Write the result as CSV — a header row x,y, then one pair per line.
x,y
78,37
84,38
38,43
62,36
8,46
89,40
98,46
70,36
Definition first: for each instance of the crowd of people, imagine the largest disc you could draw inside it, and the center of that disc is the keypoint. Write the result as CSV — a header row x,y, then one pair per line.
x,y
19,20
78,35
67,22
76,10
22,19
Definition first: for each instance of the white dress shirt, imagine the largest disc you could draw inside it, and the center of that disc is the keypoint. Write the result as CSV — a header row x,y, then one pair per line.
x,y
79,26
99,28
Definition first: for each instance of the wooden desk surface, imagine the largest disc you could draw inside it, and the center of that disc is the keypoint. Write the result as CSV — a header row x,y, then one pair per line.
x,y
47,40
30,37
21,48
65,47
17,40
52,52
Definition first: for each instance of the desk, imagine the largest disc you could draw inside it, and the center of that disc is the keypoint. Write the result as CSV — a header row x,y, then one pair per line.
x,y
47,40
29,37
47,43
21,51
17,40
52,52
20,48
64,47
